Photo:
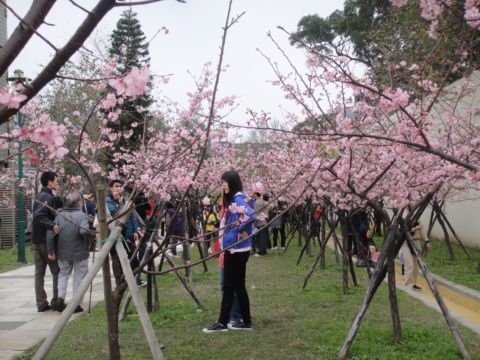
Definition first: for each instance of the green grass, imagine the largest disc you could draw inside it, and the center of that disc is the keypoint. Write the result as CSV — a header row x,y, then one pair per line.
x,y
461,270
8,259
289,323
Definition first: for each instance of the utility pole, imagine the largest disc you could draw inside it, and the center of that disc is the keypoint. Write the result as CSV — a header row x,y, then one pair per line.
x,y
20,79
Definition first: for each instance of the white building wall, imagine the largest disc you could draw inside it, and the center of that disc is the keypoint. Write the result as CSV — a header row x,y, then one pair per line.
x,y
3,37
464,216
3,77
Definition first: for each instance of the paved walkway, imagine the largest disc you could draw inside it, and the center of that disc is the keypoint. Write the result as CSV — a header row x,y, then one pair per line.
x,y
21,326
462,302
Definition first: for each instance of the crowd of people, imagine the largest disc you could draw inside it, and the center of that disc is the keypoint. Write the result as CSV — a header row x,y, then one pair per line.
x,y
235,227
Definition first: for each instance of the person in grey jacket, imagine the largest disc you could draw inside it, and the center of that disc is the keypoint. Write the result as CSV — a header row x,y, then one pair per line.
x,y
71,247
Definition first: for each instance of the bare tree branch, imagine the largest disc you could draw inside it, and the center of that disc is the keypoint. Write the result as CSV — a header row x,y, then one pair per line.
x,y
80,7
61,57
144,2
22,34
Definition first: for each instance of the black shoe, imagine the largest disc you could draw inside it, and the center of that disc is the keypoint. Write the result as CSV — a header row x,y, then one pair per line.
x,y
216,327
59,305
416,288
44,307
240,326
78,309
141,283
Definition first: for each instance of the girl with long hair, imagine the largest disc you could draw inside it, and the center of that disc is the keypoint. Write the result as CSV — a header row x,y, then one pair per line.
x,y
238,220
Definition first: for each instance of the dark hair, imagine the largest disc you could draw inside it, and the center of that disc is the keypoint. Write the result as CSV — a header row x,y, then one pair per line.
x,y
47,176
113,182
232,178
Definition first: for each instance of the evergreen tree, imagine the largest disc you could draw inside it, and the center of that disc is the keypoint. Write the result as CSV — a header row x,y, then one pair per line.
x,y
130,49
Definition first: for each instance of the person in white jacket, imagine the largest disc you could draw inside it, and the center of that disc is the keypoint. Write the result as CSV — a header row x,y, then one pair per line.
x,y
409,262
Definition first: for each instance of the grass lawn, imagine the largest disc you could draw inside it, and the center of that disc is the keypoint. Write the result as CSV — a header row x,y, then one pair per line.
x,y
289,323
461,270
8,260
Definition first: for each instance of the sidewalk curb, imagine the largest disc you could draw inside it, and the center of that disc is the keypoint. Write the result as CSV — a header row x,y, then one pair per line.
x,y
461,289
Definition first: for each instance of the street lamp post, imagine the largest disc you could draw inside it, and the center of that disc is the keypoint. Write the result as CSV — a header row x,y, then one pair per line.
x,y
19,78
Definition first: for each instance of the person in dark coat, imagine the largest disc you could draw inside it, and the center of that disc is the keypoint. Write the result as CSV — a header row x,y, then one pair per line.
x,y
44,208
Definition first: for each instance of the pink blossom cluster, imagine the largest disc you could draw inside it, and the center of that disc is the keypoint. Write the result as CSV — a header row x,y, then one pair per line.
x,y
257,187
472,13
11,99
433,9
133,84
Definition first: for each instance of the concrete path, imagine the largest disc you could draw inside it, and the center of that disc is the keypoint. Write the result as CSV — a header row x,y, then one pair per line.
x,y
21,326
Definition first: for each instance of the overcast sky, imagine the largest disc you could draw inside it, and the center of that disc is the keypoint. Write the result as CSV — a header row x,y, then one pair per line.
x,y
193,39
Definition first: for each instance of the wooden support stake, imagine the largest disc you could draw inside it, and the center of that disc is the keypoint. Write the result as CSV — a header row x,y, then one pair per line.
x,y
305,247
292,231
321,253
437,295
138,301
377,278
446,237
442,214
72,305
433,218
185,284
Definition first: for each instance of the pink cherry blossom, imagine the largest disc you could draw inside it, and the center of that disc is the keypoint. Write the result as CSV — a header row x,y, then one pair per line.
x,y
11,100
133,84
398,3
258,187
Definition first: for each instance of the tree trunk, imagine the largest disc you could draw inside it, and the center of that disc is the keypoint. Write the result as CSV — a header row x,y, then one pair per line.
x,y
323,237
446,237
345,256
113,344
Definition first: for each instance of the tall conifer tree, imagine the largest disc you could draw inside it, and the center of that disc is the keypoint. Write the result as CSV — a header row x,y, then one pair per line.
x,y
130,49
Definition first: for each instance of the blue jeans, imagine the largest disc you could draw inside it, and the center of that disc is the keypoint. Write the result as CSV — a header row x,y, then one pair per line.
x,y
235,314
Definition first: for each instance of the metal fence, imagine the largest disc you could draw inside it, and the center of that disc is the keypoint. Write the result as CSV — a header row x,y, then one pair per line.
x,y
9,209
